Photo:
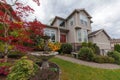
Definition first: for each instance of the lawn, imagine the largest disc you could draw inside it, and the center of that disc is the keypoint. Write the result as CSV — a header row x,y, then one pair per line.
x,y
72,71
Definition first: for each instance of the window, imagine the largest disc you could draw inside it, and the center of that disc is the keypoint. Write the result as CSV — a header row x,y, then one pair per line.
x,y
71,22
79,36
62,24
52,36
82,35
83,19
85,36
50,33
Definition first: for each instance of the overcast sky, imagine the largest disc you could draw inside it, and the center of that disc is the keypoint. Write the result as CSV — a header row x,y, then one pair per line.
x,y
105,13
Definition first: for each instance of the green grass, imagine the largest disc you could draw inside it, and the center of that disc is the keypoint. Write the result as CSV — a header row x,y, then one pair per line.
x,y
72,71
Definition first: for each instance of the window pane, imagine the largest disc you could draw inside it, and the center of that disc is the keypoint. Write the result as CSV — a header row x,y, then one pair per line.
x,y
71,22
62,24
83,19
85,37
79,36
53,37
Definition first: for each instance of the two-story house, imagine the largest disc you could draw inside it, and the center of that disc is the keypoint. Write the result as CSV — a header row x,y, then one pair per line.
x,y
75,29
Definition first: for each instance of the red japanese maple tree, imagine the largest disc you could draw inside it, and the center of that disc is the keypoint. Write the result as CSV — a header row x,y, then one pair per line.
x,y
13,30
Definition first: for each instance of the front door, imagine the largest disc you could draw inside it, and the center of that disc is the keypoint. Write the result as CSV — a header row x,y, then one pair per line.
x,y
62,38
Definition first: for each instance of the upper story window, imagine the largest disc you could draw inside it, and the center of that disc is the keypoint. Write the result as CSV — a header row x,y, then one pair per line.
x,y
61,23
83,19
71,22
50,33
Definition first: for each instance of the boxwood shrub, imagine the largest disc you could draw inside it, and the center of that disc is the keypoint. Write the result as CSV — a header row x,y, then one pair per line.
x,y
86,53
66,48
103,59
16,54
115,55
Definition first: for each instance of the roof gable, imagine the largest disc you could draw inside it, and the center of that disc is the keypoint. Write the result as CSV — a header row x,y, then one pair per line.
x,y
95,33
75,11
56,17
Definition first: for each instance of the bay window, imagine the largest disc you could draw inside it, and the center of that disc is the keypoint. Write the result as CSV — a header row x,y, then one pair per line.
x,y
82,35
79,36
50,33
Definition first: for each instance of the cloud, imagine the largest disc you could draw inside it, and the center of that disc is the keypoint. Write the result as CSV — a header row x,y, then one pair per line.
x,y
105,13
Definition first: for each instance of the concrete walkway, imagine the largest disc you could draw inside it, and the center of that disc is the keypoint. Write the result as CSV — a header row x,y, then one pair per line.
x,y
91,64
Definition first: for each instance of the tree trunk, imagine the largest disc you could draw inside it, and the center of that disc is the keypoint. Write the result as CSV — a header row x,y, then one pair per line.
x,y
6,52
6,58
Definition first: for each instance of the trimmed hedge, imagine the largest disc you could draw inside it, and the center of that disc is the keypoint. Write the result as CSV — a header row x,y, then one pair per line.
x,y
86,53
117,47
66,48
93,46
103,59
115,55
16,54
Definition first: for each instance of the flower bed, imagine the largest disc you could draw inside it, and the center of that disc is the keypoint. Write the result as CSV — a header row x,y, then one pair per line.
x,y
47,74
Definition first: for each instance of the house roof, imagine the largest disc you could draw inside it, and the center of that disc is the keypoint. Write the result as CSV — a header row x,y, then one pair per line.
x,y
57,17
48,26
76,10
97,32
60,28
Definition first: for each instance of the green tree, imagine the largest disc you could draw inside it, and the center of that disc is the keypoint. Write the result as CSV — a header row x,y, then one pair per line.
x,y
117,47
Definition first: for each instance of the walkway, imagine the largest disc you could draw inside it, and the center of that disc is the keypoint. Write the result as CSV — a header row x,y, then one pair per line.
x,y
91,64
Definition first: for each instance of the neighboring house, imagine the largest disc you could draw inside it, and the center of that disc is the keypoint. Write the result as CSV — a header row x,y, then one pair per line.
x,y
114,42
102,39
75,29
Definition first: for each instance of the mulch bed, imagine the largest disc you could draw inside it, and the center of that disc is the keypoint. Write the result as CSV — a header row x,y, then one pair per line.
x,y
47,74
2,77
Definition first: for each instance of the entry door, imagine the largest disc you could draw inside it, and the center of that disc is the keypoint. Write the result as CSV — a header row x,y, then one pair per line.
x,y
62,38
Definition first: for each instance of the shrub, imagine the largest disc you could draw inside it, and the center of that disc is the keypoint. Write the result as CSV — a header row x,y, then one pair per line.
x,y
115,55
16,54
86,54
54,46
22,70
40,45
4,67
117,47
66,48
84,44
103,59
1,55
94,47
